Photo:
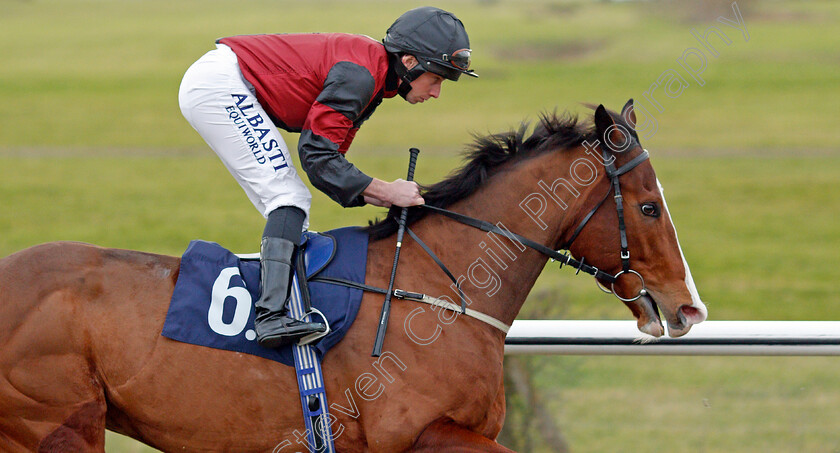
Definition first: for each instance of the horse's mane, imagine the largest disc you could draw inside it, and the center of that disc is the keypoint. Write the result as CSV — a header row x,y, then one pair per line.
x,y
486,156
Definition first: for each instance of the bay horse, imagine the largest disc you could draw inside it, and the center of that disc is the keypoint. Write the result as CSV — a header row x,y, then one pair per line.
x,y
81,349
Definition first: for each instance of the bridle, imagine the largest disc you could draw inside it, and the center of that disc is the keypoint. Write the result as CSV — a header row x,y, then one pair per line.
x,y
615,186
563,258
613,174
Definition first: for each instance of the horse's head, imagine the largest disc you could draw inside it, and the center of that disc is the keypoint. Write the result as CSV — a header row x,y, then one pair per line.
x,y
651,271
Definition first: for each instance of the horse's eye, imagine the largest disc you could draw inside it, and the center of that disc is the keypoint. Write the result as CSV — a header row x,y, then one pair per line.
x,y
650,209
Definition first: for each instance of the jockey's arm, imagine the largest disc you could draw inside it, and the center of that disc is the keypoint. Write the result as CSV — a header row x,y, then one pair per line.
x,y
399,193
328,132
331,173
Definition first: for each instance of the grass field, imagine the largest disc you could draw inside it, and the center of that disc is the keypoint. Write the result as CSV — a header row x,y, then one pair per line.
x,y
93,148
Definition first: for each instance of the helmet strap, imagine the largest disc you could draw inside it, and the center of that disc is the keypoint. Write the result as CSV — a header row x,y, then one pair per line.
x,y
406,75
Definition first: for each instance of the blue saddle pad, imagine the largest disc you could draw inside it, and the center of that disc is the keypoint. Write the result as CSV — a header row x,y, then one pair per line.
x,y
213,301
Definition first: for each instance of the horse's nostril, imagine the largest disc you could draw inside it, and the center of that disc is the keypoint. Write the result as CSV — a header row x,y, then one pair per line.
x,y
692,314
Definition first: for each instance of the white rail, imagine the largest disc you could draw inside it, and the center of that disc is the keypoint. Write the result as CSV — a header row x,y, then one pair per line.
x,y
743,338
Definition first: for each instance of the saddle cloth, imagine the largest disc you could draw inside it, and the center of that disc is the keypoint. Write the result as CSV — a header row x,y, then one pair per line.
x,y
213,301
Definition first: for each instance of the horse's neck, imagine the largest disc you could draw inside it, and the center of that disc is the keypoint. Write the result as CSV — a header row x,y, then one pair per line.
x,y
498,272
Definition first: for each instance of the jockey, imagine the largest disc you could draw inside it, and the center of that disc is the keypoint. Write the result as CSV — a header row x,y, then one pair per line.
x,y
323,86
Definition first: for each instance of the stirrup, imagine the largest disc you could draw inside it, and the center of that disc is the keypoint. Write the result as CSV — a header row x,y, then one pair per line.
x,y
312,337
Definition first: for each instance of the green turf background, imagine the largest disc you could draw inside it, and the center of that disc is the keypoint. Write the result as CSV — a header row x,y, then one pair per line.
x,y
93,148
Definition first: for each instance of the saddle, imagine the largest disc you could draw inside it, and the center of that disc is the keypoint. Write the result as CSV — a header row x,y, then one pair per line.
x,y
212,304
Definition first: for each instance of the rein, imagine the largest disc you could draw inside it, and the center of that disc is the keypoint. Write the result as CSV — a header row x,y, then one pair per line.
x,y
615,186
564,258
482,225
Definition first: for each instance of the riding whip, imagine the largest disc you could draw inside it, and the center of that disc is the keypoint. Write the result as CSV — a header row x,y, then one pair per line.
x,y
386,306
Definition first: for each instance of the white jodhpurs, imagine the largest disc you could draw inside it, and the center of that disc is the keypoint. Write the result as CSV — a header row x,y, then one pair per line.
x,y
220,104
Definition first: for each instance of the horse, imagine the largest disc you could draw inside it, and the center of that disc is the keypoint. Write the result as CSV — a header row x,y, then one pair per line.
x,y
81,349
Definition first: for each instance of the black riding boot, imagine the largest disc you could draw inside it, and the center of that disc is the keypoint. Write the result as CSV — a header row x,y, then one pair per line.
x,y
273,325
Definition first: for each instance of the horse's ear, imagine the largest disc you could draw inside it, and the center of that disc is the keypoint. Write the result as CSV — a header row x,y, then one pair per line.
x,y
628,112
603,120
618,134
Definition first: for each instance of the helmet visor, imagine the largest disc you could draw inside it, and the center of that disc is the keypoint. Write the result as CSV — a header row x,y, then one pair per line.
x,y
460,59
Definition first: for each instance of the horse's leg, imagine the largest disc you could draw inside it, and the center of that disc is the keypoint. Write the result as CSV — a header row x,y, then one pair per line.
x,y
82,431
51,395
48,402
445,436
53,418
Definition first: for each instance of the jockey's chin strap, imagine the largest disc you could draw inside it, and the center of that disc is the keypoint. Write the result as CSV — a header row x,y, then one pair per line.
x,y
406,75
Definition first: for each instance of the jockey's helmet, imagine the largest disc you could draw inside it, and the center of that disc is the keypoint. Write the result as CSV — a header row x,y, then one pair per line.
x,y
436,38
